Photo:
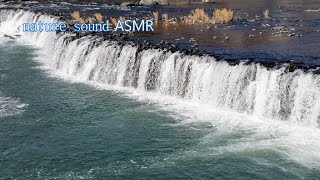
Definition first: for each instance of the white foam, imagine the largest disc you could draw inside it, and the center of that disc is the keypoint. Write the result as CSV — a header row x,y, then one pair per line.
x,y
10,106
244,133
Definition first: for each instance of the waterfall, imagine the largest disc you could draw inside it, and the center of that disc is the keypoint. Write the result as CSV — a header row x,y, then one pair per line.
x,y
252,89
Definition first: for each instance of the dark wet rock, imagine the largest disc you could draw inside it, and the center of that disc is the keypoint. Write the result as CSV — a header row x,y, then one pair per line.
x,y
291,67
162,42
173,48
124,38
317,71
233,63
8,36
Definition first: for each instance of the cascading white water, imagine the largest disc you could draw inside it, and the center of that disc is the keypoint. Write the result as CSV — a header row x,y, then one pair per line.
x,y
11,24
253,89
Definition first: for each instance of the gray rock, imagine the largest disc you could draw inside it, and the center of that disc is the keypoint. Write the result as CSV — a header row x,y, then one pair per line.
x,y
148,2
208,1
163,2
192,40
127,4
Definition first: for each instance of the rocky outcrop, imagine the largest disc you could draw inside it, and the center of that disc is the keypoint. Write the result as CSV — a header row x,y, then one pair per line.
x,y
208,1
163,2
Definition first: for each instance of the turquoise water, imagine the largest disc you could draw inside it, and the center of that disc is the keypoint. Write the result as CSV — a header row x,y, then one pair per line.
x,y
55,129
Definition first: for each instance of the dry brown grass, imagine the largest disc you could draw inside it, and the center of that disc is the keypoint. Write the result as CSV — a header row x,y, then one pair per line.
x,y
165,17
89,20
223,15
219,16
114,21
99,17
156,16
122,19
198,15
76,17
266,14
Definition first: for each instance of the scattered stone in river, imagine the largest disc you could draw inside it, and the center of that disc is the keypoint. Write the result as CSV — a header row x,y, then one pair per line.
x,y
192,40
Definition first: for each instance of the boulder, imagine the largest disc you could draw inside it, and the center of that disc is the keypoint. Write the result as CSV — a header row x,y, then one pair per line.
x,y
147,2
128,4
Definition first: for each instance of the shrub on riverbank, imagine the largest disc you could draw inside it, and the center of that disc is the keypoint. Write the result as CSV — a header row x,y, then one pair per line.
x,y
219,16
199,15
222,15
76,17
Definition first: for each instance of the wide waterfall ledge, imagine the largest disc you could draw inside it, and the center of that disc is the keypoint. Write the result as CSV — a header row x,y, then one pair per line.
x,y
277,92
